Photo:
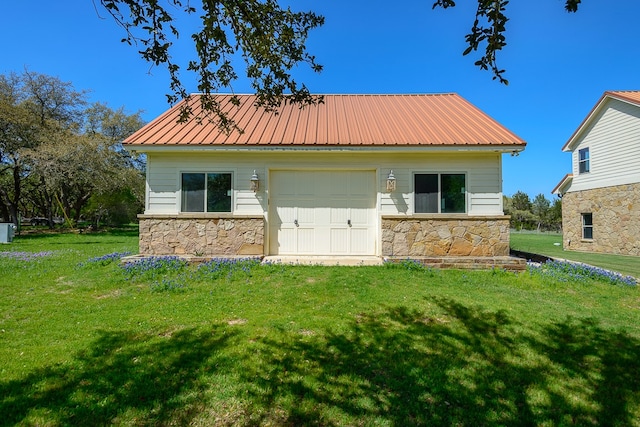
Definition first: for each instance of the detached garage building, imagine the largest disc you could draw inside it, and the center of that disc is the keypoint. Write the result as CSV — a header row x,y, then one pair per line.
x,y
357,175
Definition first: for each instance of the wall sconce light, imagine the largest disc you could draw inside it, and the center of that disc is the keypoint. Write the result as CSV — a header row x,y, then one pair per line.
x,y
391,181
255,182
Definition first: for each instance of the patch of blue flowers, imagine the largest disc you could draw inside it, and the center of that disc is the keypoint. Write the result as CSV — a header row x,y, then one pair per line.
x,y
155,266
107,259
26,256
227,267
564,271
168,285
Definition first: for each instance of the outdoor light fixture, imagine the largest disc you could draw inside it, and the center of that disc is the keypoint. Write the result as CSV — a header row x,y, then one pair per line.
x,y
255,182
391,181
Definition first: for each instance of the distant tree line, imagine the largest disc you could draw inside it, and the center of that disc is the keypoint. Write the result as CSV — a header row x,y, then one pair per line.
x,y
540,214
61,158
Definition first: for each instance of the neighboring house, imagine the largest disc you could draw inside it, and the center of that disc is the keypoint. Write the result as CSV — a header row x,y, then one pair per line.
x,y
357,175
601,197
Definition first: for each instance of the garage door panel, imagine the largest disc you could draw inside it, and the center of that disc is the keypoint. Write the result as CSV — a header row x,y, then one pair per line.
x,y
285,182
339,241
307,244
339,213
286,242
284,215
360,241
305,184
361,184
306,216
360,217
338,186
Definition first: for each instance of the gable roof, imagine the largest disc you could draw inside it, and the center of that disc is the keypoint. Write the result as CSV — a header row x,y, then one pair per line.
x,y
629,96
342,120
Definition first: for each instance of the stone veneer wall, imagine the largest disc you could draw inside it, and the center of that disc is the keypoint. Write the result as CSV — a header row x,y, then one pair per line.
x,y
201,236
430,236
616,219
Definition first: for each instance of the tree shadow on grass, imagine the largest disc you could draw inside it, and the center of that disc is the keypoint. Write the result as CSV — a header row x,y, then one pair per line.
x,y
153,380
467,366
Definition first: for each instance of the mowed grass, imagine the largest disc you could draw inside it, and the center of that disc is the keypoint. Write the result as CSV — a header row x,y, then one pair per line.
x,y
86,342
550,244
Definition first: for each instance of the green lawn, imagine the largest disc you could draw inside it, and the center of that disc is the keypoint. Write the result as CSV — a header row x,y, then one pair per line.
x,y
550,244
85,342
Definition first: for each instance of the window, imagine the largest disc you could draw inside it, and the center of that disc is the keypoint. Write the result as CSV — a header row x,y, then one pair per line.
x,y
206,192
583,160
440,193
587,226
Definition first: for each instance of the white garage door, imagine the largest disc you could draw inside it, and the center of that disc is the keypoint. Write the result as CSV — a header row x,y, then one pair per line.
x,y
322,213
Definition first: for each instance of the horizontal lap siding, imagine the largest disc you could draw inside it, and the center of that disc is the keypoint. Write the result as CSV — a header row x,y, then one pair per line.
x,y
483,176
164,180
614,148
483,181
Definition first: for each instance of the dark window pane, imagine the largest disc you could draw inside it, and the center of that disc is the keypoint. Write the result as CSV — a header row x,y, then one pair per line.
x,y
426,193
453,194
583,160
587,226
192,192
219,192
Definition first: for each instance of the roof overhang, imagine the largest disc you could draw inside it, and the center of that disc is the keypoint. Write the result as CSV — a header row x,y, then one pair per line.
x,y
190,148
563,185
595,111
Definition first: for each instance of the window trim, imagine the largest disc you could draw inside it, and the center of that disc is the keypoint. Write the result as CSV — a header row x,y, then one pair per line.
x,y
586,162
440,173
207,172
585,226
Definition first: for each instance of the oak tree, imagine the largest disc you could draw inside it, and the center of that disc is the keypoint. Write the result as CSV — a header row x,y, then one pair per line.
x,y
270,39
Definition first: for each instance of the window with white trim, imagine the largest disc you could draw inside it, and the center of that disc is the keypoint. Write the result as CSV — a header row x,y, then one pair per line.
x,y
583,160
206,192
587,226
440,193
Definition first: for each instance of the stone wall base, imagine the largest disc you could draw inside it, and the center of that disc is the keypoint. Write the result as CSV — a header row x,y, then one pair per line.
x,y
616,219
508,263
201,236
445,237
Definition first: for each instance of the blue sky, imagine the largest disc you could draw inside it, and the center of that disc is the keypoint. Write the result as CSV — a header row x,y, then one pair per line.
x,y
558,64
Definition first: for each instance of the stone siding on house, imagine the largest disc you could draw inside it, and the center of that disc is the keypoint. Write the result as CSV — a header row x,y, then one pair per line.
x,y
445,236
616,219
201,236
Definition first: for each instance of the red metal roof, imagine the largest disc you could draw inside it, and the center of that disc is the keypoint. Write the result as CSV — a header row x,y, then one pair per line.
x,y
632,96
342,120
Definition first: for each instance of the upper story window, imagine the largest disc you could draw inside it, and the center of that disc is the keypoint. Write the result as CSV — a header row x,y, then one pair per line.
x,y
583,160
440,193
206,192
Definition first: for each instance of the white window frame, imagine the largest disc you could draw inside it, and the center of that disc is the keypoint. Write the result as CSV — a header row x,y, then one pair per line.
x,y
585,226
439,174
586,163
205,173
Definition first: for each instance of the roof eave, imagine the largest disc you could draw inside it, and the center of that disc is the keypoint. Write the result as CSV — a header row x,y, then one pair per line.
x,y
563,185
501,148
570,144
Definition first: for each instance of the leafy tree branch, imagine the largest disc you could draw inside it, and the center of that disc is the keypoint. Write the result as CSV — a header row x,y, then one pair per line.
x,y
270,39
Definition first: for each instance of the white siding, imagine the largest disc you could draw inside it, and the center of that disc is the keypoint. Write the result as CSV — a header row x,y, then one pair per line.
x,y
484,181
613,140
483,171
